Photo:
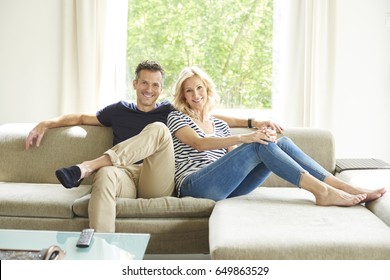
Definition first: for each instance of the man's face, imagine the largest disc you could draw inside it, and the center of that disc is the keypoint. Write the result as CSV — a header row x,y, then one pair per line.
x,y
148,88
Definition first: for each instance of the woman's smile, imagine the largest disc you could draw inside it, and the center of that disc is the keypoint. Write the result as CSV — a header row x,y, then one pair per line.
x,y
195,92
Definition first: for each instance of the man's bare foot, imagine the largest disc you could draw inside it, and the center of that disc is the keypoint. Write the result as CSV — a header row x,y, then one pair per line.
x,y
335,197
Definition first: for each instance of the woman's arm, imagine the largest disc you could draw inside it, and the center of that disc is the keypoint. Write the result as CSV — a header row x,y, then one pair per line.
x,y
188,136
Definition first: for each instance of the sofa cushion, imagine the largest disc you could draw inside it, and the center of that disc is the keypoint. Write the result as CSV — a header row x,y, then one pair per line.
x,y
162,207
284,223
39,200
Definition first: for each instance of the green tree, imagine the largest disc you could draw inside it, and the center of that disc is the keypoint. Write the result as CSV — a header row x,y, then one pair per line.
x,y
230,39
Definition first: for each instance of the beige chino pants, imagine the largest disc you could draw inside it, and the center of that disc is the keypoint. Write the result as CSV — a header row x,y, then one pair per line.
x,y
152,178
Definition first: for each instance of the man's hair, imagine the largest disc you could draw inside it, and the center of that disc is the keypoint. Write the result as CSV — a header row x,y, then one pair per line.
x,y
151,66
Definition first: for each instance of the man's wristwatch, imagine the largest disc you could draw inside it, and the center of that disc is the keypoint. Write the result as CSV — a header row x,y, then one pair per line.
x,y
250,122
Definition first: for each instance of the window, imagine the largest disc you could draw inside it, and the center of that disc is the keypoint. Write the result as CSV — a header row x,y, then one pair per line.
x,y
231,40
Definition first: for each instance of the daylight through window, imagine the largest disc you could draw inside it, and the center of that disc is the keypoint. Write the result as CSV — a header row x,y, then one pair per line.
x,y
231,40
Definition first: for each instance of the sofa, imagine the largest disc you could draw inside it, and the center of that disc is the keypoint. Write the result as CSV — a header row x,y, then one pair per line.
x,y
276,221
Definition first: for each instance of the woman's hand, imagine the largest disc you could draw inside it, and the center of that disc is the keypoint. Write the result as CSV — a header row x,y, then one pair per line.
x,y
262,136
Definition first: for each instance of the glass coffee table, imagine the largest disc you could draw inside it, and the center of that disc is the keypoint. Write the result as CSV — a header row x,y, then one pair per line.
x,y
104,246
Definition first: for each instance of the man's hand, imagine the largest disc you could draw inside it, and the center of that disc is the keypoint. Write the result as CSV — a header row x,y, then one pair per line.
x,y
267,124
35,136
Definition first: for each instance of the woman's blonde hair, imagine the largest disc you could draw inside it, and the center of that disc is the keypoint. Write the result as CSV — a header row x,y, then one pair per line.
x,y
178,96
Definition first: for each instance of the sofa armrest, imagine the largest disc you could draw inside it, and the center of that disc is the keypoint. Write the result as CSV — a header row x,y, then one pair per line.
x,y
372,179
60,147
366,178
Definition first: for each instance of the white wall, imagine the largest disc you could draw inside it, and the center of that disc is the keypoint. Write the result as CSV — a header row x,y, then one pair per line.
x,y
30,52
30,70
362,79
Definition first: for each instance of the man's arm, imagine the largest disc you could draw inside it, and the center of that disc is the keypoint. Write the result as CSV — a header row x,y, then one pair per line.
x,y
241,122
232,121
36,134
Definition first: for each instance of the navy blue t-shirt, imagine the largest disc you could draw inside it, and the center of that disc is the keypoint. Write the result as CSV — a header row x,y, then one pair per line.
x,y
127,121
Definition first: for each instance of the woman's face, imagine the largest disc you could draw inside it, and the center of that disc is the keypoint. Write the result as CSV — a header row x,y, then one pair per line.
x,y
195,93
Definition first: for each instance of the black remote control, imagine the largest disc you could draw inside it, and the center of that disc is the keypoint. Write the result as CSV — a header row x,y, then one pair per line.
x,y
85,238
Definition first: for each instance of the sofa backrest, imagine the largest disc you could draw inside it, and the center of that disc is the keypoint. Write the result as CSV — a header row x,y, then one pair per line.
x,y
317,143
61,147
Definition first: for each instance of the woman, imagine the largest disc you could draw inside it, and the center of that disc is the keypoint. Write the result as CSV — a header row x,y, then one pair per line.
x,y
206,154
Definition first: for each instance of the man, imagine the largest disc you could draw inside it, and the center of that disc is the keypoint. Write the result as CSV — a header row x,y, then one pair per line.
x,y
142,152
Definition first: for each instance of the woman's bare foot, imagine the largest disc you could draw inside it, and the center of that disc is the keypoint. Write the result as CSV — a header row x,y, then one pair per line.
x,y
327,195
371,194
335,197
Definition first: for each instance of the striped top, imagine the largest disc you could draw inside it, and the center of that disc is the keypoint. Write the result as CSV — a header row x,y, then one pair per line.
x,y
187,159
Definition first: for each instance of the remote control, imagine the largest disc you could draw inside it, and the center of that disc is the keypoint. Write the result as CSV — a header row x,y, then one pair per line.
x,y
85,238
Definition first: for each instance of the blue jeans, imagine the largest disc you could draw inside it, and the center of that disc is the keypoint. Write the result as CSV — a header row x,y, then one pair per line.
x,y
245,168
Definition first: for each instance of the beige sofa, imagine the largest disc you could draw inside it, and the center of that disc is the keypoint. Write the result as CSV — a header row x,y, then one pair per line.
x,y
276,221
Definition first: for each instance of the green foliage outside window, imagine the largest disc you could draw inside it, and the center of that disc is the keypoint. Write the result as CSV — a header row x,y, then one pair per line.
x,y
230,39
